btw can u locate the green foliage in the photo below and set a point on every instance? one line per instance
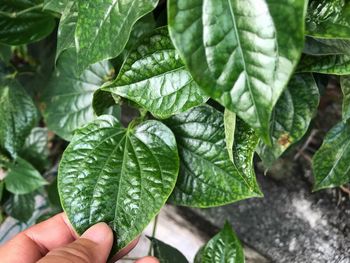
(117, 175)
(166, 253)
(182, 108)
(224, 247)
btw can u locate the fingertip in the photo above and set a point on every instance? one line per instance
(99, 233)
(147, 260)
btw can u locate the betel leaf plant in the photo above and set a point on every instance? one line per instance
(164, 101)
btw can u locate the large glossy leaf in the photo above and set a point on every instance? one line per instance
(68, 97)
(328, 19)
(117, 175)
(291, 117)
(331, 162)
(23, 22)
(23, 178)
(319, 46)
(57, 6)
(207, 175)
(345, 87)
(66, 28)
(224, 247)
(18, 116)
(240, 52)
(21, 207)
(154, 77)
(104, 27)
(35, 149)
(166, 253)
(332, 64)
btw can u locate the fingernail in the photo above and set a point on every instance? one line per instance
(98, 233)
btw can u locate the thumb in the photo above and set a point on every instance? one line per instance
(92, 247)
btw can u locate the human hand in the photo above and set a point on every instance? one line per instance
(55, 241)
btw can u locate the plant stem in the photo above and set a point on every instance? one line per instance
(22, 12)
(153, 234)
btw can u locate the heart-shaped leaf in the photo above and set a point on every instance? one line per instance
(116, 175)
(292, 116)
(104, 27)
(23, 178)
(18, 28)
(331, 162)
(240, 52)
(207, 175)
(154, 77)
(67, 101)
(224, 247)
(18, 116)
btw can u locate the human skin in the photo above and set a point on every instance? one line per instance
(55, 241)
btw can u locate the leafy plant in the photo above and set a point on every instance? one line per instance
(164, 110)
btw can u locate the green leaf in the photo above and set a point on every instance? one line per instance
(291, 117)
(224, 247)
(214, 39)
(331, 162)
(1, 189)
(119, 176)
(57, 6)
(207, 175)
(230, 126)
(68, 97)
(23, 178)
(345, 87)
(166, 253)
(66, 28)
(332, 64)
(328, 19)
(53, 195)
(104, 27)
(24, 22)
(18, 116)
(35, 149)
(154, 77)
(5, 53)
(21, 207)
(319, 46)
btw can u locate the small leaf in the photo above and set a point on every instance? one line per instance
(321, 47)
(119, 176)
(24, 28)
(18, 116)
(331, 162)
(207, 175)
(57, 6)
(154, 77)
(35, 149)
(66, 28)
(68, 97)
(23, 178)
(21, 207)
(345, 87)
(224, 247)
(292, 116)
(230, 126)
(104, 27)
(166, 253)
(214, 39)
(328, 19)
(332, 64)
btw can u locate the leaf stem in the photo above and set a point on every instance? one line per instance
(22, 12)
(153, 234)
